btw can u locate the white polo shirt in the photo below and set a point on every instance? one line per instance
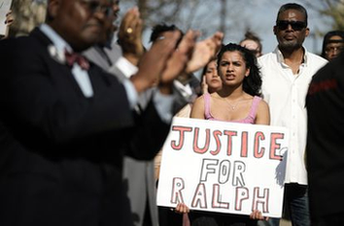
(285, 93)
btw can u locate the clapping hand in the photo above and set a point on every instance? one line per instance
(204, 51)
(130, 36)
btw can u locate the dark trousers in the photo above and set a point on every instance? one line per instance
(334, 219)
(296, 202)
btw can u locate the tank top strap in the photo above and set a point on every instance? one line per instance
(207, 98)
(254, 106)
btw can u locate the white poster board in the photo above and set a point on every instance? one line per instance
(223, 167)
(5, 6)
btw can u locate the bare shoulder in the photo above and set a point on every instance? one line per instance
(197, 110)
(263, 105)
(263, 113)
(199, 100)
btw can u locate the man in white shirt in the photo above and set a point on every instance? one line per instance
(286, 74)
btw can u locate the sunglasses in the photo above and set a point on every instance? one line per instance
(295, 25)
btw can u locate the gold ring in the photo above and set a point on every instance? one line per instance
(129, 30)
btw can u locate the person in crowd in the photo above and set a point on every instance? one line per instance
(253, 43)
(138, 175)
(333, 44)
(210, 79)
(141, 172)
(210, 82)
(237, 101)
(110, 56)
(65, 122)
(325, 155)
(286, 74)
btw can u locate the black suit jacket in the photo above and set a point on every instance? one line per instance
(61, 153)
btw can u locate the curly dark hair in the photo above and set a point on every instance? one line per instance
(252, 84)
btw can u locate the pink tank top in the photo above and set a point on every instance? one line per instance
(250, 119)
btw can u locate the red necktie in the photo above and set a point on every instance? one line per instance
(72, 58)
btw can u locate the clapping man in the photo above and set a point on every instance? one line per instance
(122, 61)
(66, 123)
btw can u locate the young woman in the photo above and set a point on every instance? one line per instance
(237, 101)
(210, 82)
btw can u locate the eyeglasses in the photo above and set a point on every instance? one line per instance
(333, 49)
(95, 6)
(295, 25)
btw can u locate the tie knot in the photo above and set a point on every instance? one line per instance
(72, 58)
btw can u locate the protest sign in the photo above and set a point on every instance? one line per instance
(223, 167)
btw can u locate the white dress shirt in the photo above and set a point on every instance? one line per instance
(285, 93)
(163, 103)
(58, 50)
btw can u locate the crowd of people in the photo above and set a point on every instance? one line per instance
(87, 108)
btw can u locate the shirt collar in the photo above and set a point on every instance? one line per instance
(280, 57)
(55, 38)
